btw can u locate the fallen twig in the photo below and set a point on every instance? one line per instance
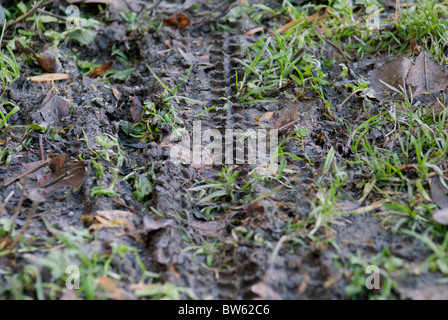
(121, 204)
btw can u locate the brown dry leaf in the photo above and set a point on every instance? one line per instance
(110, 286)
(439, 193)
(209, 228)
(113, 219)
(153, 223)
(426, 75)
(101, 69)
(264, 292)
(49, 77)
(136, 109)
(4, 243)
(304, 284)
(173, 270)
(117, 94)
(393, 73)
(106, 283)
(48, 61)
(62, 174)
(26, 50)
(178, 20)
(252, 207)
(441, 216)
(58, 164)
(267, 116)
(285, 119)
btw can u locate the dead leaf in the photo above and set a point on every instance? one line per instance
(4, 243)
(439, 193)
(153, 223)
(209, 228)
(26, 50)
(113, 219)
(106, 283)
(267, 116)
(62, 174)
(252, 207)
(304, 284)
(117, 94)
(58, 164)
(49, 77)
(136, 109)
(441, 216)
(101, 69)
(178, 20)
(48, 61)
(173, 270)
(393, 73)
(426, 75)
(286, 118)
(264, 292)
(110, 286)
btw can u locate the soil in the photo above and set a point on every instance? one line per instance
(282, 265)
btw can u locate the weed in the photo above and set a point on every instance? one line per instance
(9, 70)
(79, 251)
(226, 188)
(143, 183)
(385, 263)
(438, 261)
(111, 152)
(158, 114)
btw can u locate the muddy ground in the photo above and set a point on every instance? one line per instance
(242, 249)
